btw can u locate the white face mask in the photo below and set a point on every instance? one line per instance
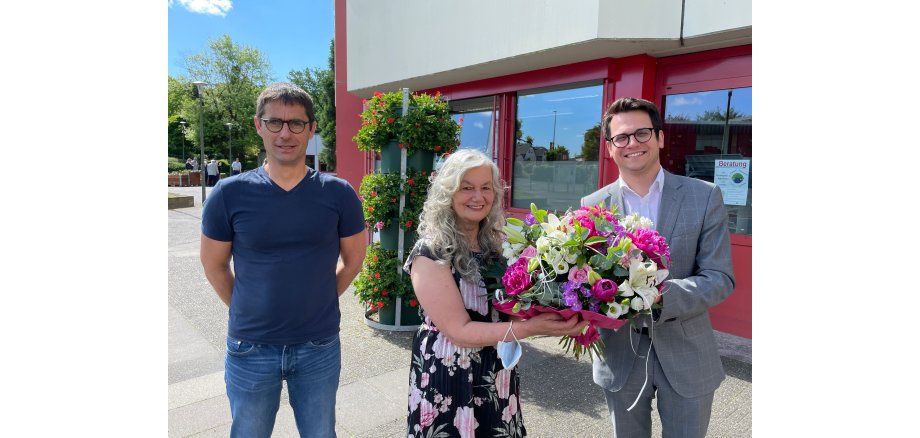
(509, 352)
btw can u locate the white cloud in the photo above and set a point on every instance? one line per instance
(681, 101)
(572, 98)
(212, 7)
(479, 125)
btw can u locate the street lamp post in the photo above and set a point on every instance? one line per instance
(201, 85)
(230, 140)
(183, 139)
(553, 144)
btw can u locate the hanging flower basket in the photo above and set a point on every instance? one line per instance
(426, 127)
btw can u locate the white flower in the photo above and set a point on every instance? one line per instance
(615, 310)
(633, 221)
(637, 304)
(553, 256)
(552, 224)
(543, 244)
(571, 256)
(644, 277)
(561, 267)
(511, 251)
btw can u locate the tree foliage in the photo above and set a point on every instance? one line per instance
(320, 83)
(718, 116)
(236, 74)
(591, 147)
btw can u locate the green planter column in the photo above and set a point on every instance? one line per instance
(389, 157)
(421, 160)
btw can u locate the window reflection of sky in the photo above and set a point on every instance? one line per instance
(475, 131)
(693, 105)
(577, 110)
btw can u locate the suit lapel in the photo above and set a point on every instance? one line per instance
(615, 197)
(671, 197)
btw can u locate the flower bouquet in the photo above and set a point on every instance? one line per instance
(607, 268)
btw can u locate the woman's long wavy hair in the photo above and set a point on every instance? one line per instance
(438, 222)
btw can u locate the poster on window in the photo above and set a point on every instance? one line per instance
(732, 176)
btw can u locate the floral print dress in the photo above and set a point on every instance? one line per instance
(457, 391)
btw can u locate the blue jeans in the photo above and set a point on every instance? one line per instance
(253, 374)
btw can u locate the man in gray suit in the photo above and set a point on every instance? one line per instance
(672, 355)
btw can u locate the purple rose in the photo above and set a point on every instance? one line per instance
(604, 290)
(516, 278)
(529, 219)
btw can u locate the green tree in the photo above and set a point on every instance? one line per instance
(320, 83)
(557, 153)
(678, 118)
(718, 116)
(177, 99)
(591, 146)
(236, 74)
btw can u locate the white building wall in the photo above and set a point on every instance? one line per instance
(425, 43)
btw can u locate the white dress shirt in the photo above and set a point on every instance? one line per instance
(647, 205)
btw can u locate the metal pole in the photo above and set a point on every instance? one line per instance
(553, 145)
(200, 85)
(183, 139)
(230, 125)
(726, 133)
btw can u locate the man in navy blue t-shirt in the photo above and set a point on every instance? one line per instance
(284, 225)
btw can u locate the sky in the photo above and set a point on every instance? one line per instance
(292, 34)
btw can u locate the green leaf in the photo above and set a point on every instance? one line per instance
(595, 239)
(601, 263)
(517, 307)
(570, 244)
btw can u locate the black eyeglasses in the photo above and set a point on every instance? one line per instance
(296, 126)
(622, 140)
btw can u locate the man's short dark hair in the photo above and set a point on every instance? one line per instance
(288, 94)
(627, 104)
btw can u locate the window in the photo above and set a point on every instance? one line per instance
(477, 131)
(708, 136)
(557, 141)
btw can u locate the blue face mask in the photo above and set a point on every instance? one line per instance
(509, 352)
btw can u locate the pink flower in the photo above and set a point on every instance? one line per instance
(503, 383)
(424, 380)
(589, 337)
(529, 252)
(653, 245)
(516, 278)
(579, 275)
(604, 290)
(428, 414)
(465, 422)
(379, 225)
(510, 410)
(415, 397)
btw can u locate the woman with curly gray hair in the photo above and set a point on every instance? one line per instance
(457, 384)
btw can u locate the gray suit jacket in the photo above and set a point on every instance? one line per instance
(693, 219)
